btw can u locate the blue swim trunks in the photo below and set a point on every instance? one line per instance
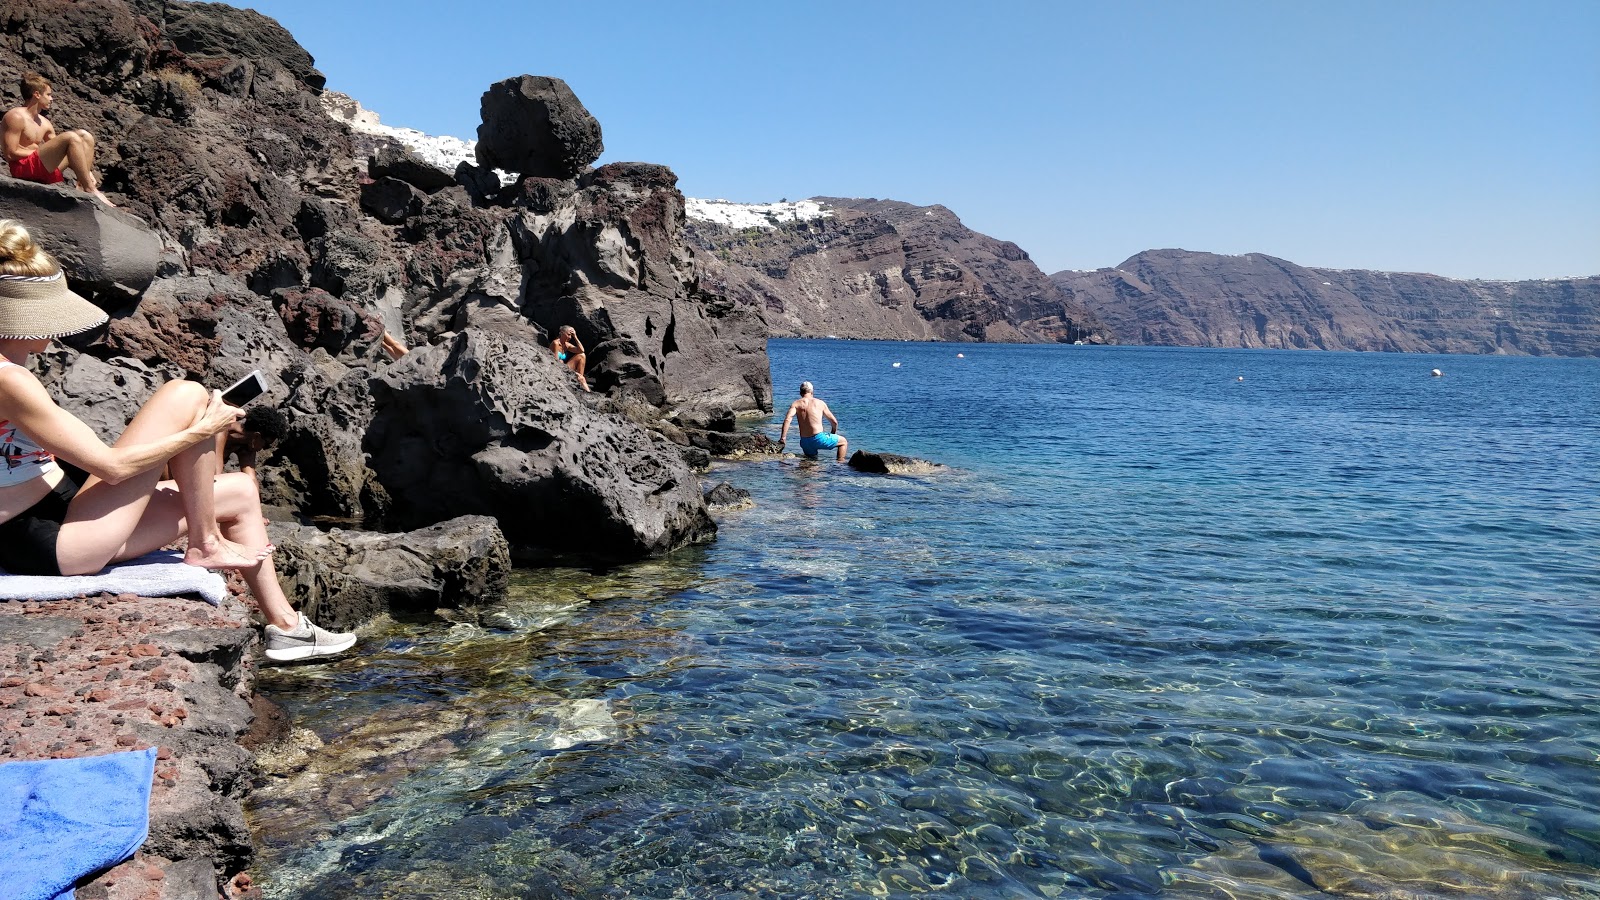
(811, 445)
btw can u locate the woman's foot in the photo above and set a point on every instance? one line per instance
(221, 553)
(305, 641)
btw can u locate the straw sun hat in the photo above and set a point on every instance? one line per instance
(34, 307)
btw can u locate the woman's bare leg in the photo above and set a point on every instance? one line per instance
(577, 362)
(238, 501)
(239, 513)
(111, 522)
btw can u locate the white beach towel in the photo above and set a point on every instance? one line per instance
(159, 574)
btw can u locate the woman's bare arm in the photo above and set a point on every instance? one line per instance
(25, 402)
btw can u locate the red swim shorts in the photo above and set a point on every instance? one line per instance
(29, 168)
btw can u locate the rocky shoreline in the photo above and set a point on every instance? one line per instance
(110, 673)
(114, 672)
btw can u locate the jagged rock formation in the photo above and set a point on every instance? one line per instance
(886, 270)
(274, 242)
(483, 425)
(344, 578)
(283, 247)
(1188, 299)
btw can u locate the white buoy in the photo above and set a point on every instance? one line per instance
(897, 365)
(961, 356)
(1241, 377)
(1436, 373)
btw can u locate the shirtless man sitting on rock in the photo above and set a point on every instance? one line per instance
(33, 149)
(811, 411)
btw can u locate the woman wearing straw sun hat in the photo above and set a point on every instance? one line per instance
(50, 525)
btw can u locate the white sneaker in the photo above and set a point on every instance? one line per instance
(305, 641)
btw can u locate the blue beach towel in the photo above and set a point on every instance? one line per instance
(62, 819)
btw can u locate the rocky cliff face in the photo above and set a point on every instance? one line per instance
(886, 270)
(1182, 298)
(281, 240)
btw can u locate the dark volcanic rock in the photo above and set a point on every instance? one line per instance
(607, 255)
(344, 578)
(391, 200)
(489, 425)
(725, 498)
(1188, 299)
(227, 37)
(885, 270)
(535, 126)
(891, 464)
(99, 248)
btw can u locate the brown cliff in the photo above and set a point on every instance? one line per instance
(885, 270)
(1188, 299)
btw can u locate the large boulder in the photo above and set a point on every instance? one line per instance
(344, 578)
(534, 125)
(492, 425)
(99, 247)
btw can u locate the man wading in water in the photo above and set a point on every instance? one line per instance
(812, 411)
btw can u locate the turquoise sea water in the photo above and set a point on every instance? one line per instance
(1329, 630)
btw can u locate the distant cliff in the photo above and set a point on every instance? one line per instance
(1188, 299)
(879, 269)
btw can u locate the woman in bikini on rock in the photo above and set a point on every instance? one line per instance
(50, 525)
(569, 352)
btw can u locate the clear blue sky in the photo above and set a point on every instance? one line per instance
(1460, 138)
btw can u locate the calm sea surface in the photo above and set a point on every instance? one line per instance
(1329, 630)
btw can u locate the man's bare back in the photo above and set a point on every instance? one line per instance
(810, 411)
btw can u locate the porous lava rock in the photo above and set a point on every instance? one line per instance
(492, 425)
(607, 254)
(343, 578)
(535, 125)
(108, 673)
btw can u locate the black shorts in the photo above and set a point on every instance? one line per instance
(28, 539)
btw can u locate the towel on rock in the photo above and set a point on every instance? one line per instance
(62, 819)
(159, 574)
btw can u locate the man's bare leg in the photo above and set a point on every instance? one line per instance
(843, 445)
(76, 149)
